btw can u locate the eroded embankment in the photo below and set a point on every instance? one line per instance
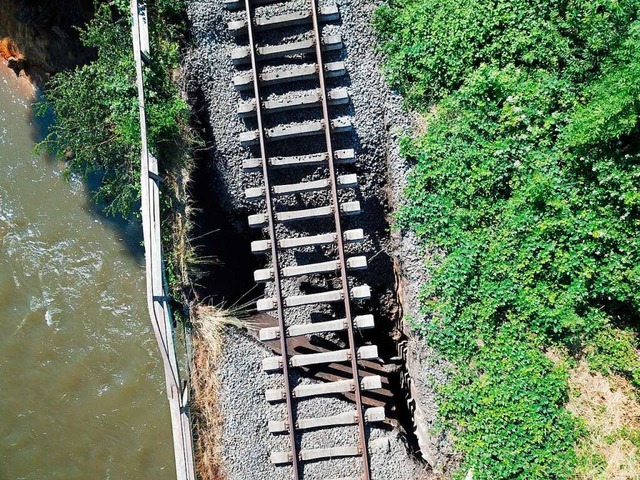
(395, 269)
(38, 37)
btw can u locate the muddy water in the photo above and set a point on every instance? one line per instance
(81, 385)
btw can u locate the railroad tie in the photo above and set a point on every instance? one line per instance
(242, 55)
(353, 263)
(344, 181)
(362, 322)
(350, 236)
(374, 414)
(336, 96)
(275, 395)
(327, 14)
(362, 292)
(292, 73)
(260, 220)
(296, 130)
(285, 65)
(340, 157)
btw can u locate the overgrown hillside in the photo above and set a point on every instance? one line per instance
(96, 104)
(527, 181)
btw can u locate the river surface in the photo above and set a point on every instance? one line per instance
(81, 384)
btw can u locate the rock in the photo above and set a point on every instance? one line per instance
(380, 445)
(16, 64)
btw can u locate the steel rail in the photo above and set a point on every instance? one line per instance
(274, 243)
(340, 240)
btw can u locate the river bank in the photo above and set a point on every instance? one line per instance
(40, 37)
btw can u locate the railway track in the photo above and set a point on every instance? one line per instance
(305, 191)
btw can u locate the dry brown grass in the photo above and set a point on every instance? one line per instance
(208, 325)
(182, 256)
(420, 124)
(610, 409)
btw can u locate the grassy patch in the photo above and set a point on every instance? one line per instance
(208, 324)
(432, 46)
(615, 351)
(506, 408)
(609, 408)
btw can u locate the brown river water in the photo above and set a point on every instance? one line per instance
(81, 384)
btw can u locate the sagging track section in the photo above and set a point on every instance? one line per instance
(267, 141)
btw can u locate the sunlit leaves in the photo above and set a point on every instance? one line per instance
(96, 106)
(527, 180)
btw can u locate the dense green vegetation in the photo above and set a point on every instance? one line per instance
(527, 178)
(96, 106)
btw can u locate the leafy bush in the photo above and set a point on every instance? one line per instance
(432, 45)
(613, 99)
(96, 106)
(615, 351)
(527, 180)
(527, 232)
(508, 408)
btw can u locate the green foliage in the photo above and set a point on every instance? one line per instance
(528, 233)
(432, 45)
(631, 434)
(527, 180)
(96, 106)
(615, 351)
(592, 463)
(613, 99)
(508, 408)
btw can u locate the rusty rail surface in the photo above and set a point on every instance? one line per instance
(272, 235)
(339, 236)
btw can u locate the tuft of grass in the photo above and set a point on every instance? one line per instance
(609, 409)
(184, 265)
(209, 323)
(615, 350)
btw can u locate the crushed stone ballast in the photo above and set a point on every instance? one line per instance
(277, 57)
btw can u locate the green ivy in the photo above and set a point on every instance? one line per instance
(615, 351)
(507, 409)
(612, 100)
(527, 181)
(432, 45)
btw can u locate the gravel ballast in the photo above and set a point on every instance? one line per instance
(247, 442)
(395, 267)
